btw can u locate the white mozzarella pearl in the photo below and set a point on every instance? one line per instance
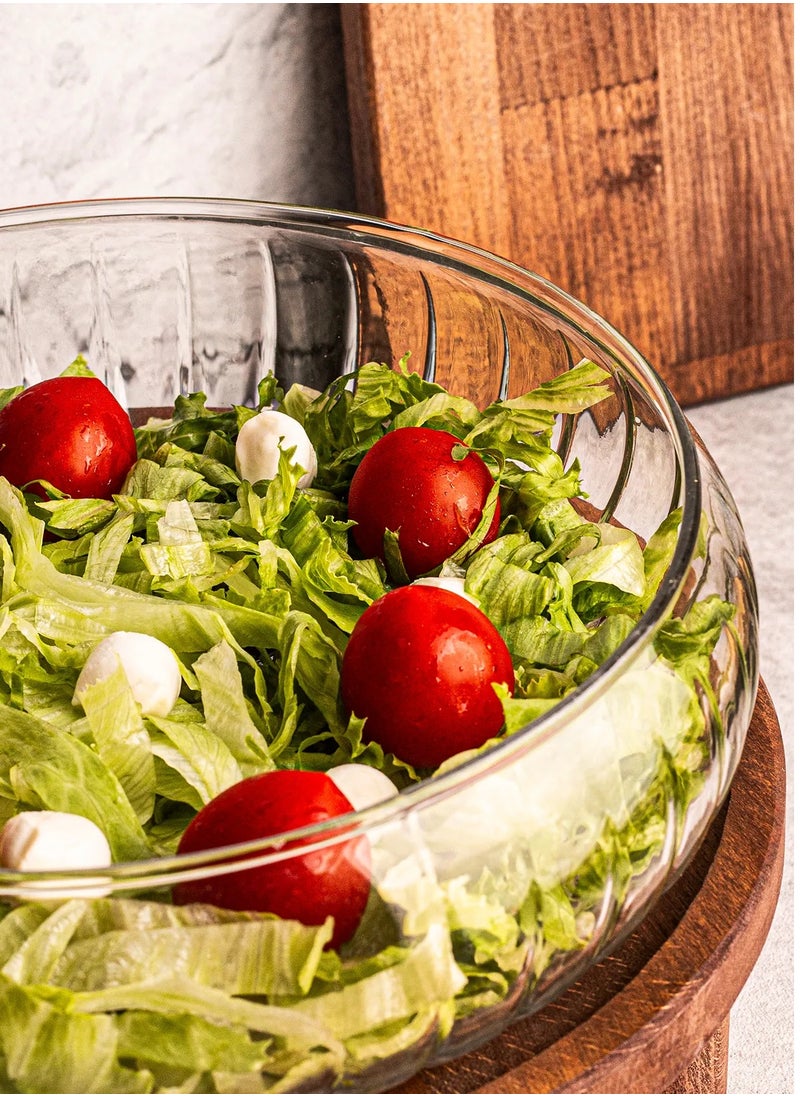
(448, 582)
(150, 666)
(260, 440)
(362, 784)
(40, 841)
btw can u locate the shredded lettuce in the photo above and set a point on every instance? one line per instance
(255, 589)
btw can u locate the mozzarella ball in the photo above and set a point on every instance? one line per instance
(150, 666)
(448, 582)
(362, 784)
(54, 841)
(260, 441)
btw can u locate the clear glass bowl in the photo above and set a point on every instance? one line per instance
(503, 879)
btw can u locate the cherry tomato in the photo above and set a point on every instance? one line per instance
(70, 431)
(419, 668)
(333, 881)
(410, 483)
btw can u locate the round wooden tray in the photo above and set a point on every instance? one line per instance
(653, 1016)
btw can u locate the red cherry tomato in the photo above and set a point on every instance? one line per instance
(70, 431)
(410, 483)
(307, 887)
(419, 667)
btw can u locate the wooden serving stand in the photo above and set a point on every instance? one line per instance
(653, 1015)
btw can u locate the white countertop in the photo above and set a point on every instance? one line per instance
(751, 439)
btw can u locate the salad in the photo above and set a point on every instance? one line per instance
(284, 614)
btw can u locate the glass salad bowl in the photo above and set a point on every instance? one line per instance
(494, 880)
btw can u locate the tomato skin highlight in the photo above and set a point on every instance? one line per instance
(410, 483)
(70, 431)
(419, 667)
(334, 881)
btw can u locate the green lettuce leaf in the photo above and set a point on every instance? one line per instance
(45, 768)
(34, 1035)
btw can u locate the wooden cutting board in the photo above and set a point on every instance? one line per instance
(640, 156)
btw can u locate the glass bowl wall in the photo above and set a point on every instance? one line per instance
(551, 845)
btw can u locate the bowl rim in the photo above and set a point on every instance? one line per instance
(521, 282)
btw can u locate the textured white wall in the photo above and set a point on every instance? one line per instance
(224, 100)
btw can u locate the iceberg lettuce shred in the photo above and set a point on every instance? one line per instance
(255, 589)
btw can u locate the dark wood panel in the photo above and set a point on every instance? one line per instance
(639, 155)
(726, 121)
(417, 97)
(551, 51)
(588, 212)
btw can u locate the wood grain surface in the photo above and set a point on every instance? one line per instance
(640, 156)
(653, 1015)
